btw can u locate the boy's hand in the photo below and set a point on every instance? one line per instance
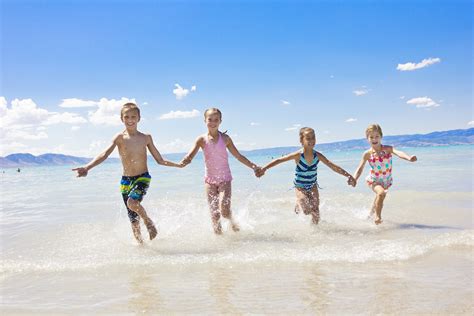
(351, 181)
(413, 158)
(81, 171)
(185, 161)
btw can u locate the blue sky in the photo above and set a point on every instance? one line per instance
(270, 66)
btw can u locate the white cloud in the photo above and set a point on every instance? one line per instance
(108, 112)
(68, 118)
(254, 124)
(12, 147)
(471, 123)
(181, 92)
(423, 102)
(145, 103)
(179, 115)
(326, 132)
(75, 128)
(77, 103)
(402, 97)
(284, 102)
(412, 66)
(293, 128)
(350, 120)
(331, 76)
(360, 92)
(175, 146)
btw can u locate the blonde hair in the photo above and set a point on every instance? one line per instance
(211, 111)
(305, 130)
(373, 128)
(129, 107)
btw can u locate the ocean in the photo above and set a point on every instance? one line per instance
(67, 246)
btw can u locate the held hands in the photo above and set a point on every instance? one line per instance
(259, 171)
(80, 172)
(351, 181)
(185, 161)
(413, 159)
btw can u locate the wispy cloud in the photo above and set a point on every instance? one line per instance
(360, 92)
(351, 120)
(402, 97)
(284, 102)
(414, 66)
(422, 102)
(175, 146)
(179, 115)
(254, 124)
(293, 128)
(181, 92)
(471, 123)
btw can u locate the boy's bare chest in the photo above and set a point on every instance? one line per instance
(133, 144)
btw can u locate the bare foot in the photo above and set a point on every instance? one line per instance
(151, 229)
(235, 227)
(315, 218)
(217, 228)
(378, 221)
(297, 209)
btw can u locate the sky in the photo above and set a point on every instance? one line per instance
(272, 67)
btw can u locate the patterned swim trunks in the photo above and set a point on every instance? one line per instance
(135, 188)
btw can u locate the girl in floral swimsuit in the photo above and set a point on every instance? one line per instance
(380, 160)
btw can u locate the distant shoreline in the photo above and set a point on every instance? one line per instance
(460, 137)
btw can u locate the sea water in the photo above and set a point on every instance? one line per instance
(67, 246)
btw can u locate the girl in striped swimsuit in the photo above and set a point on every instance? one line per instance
(218, 177)
(306, 173)
(380, 161)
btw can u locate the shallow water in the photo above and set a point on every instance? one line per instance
(67, 245)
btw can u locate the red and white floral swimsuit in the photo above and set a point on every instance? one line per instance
(381, 169)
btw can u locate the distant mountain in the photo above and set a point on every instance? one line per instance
(446, 138)
(453, 137)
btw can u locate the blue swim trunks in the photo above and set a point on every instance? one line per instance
(135, 188)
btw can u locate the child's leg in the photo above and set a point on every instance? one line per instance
(136, 231)
(213, 201)
(314, 203)
(225, 189)
(302, 201)
(380, 194)
(136, 206)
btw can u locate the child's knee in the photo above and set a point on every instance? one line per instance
(381, 194)
(225, 212)
(133, 204)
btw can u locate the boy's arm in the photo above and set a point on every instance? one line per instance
(192, 153)
(156, 154)
(82, 171)
(360, 168)
(402, 155)
(336, 168)
(233, 150)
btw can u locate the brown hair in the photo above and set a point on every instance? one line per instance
(304, 130)
(128, 107)
(373, 128)
(212, 111)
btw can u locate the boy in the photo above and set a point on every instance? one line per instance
(132, 146)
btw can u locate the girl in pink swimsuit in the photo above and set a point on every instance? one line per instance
(380, 160)
(218, 177)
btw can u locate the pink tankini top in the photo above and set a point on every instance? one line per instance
(216, 161)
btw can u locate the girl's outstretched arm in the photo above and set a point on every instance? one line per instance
(82, 171)
(156, 154)
(293, 156)
(233, 150)
(336, 168)
(189, 157)
(403, 155)
(362, 162)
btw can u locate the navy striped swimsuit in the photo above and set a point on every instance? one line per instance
(306, 175)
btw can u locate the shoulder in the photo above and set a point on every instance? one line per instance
(201, 140)
(367, 154)
(226, 138)
(118, 137)
(387, 149)
(318, 154)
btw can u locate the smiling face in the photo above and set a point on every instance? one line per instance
(308, 139)
(375, 139)
(212, 120)
(130, 118)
